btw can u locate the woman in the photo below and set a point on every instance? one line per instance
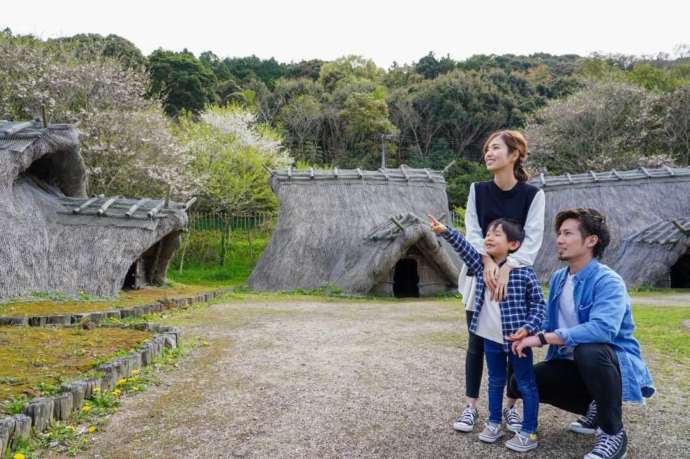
(507, 195)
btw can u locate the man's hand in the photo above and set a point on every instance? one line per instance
(436, 226)
(519, 334)
(519, 346)
(499, 293)
(490, 273)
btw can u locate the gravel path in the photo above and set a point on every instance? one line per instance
(341, 379)
(678, 299)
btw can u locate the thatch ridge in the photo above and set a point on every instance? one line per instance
(613, 176)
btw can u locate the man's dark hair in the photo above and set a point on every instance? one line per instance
(512, 228)
(591, 222)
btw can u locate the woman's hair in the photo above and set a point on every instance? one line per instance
(515, 141)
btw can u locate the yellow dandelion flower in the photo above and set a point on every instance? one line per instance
(121, 382)
(18, 456)
(135, 372)
(86, 408)
(96, 390)
(91, 429)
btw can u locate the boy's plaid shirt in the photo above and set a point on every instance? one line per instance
(524, 305)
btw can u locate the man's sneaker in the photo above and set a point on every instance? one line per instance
(523, 442)
(466, 421)
(512, 419)
(491, 433)
(609, 446)
(586, 424)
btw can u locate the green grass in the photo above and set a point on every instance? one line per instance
(661, 328)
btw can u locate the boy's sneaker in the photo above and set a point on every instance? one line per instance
(512, 419)
(523, 442)
(609, 446)
(466, 421)
(491, 433)
(586, 424)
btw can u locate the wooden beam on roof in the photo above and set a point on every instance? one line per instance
(107, 204)
(152, 213)
(85, 205)
(681, 228)
(134, 207)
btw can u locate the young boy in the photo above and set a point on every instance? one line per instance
(519, 315)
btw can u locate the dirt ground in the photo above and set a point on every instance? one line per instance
(345, 379)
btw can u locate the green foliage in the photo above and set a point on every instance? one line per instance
(458, 179)
(182, 81)
(93, 46)
(230, 154)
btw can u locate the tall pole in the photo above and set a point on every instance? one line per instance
(383, 151)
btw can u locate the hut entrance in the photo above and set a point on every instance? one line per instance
(680, 272)
(406, 279)
(133, 277)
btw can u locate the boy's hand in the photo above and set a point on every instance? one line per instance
(436, 226)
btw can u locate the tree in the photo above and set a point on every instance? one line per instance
(230, 153)
(92, 46)
(429, 67)
(302, 120)
(125, 138)
(181, 81)
(598, 128)
(676, 123)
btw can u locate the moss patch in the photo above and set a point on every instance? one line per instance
(38, 359)
(44, 307)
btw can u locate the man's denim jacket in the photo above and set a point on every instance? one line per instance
(605, 316)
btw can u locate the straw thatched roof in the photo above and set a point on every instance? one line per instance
(349, 228)
(54, 238)
(641, 206)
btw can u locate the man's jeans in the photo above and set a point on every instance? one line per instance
(523, 374)
(571, 385)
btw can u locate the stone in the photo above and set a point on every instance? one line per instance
(59, 320)
(22, 426)
(147, 354)
(115, 314)
(124, 313)
(90, 385)
(170, 340)
(37, 321)
(78, 391)
(16, 321)
(6, 432)
(62, 406)
(109, 377)
(40, 410)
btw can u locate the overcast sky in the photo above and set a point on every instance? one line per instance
(385, 31)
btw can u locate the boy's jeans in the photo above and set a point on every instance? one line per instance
(496, 361)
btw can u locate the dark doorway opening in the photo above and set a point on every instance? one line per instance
(130, 282)
(406, 279)
(680, 272)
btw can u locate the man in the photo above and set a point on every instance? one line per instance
(593, 362)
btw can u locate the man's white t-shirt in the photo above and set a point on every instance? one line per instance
(567, 312)
(489, 320)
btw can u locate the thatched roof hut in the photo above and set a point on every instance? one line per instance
(360, 231)
(54, 238)
(647, 211)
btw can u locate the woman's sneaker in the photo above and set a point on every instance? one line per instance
(609, 446)
(491, 433)
(512, 419)
(466, 421)
(586, 424)
(523, 442)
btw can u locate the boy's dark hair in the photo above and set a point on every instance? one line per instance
(592, 223)
(512, 228)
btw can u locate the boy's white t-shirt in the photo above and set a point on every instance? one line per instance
(489, 321)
